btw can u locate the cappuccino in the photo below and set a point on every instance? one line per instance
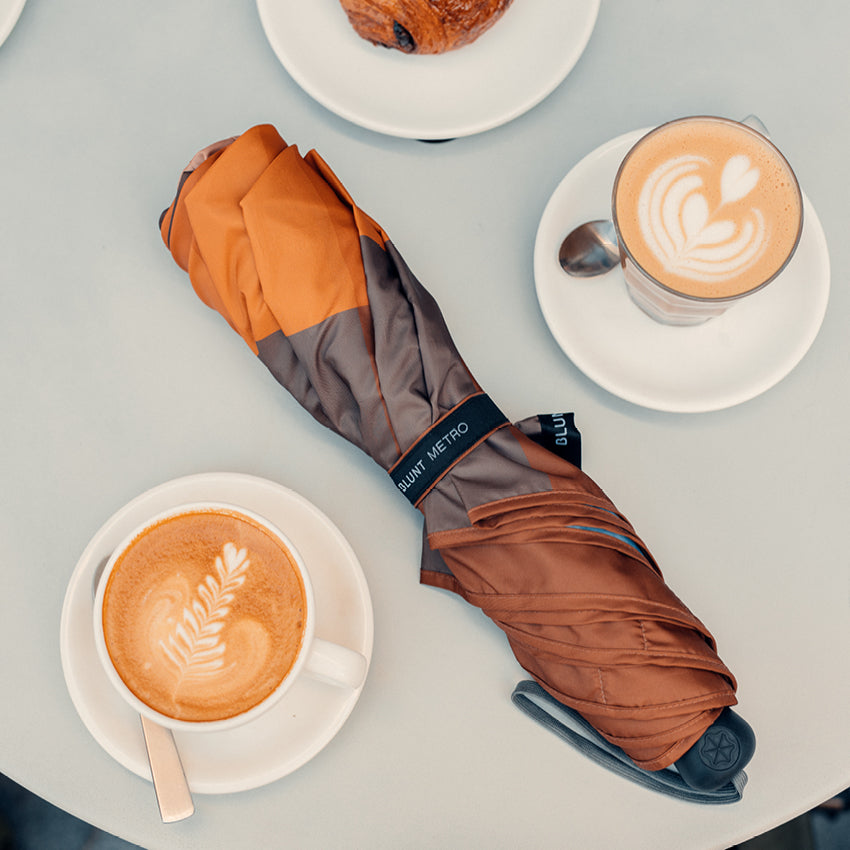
(204, 614)
(707, 207)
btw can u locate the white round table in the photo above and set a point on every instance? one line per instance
(115, 378)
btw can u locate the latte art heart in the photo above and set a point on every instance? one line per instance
(690, 238)
(738, 179)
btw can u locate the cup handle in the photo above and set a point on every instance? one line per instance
(757, 124)
(335, 664)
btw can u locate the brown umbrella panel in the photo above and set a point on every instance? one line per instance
(273, 241)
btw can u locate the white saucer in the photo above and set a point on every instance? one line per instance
(723, 362)
(307, 718)
(509, 69)
(10, 11)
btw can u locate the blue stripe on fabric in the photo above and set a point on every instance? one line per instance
(613, 534)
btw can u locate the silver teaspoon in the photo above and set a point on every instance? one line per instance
(590, 250)
(169, 781)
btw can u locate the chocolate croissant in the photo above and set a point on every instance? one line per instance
(423, 26)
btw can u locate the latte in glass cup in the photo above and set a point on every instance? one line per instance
(707, 211)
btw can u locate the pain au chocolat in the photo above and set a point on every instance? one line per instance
(423, 26)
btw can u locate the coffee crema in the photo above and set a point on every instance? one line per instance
(204, 614)
(707, 207)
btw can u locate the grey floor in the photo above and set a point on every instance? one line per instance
(29, 823)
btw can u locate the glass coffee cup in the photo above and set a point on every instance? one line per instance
(204, 617)
(707, 211)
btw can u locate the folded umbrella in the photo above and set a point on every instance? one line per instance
(273, 241)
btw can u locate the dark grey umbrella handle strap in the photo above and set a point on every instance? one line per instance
(529, 697)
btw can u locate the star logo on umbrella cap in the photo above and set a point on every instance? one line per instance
(719, 749)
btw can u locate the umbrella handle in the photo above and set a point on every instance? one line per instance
(719, 753)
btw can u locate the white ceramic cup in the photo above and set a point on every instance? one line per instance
(318, 659)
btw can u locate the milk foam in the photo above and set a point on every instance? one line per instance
(685, 234)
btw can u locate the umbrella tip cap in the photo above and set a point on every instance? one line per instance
(721, 752)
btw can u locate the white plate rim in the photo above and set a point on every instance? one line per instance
(432, 85)
(549, 278)
(254, 493)
(9, 17)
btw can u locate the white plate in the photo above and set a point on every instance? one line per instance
(305, 720)
(10, 11)
(723, 362)
(521, 59)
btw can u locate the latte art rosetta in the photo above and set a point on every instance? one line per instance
(685, 234)
(194, 643)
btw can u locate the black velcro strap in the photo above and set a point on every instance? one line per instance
(444, 444)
